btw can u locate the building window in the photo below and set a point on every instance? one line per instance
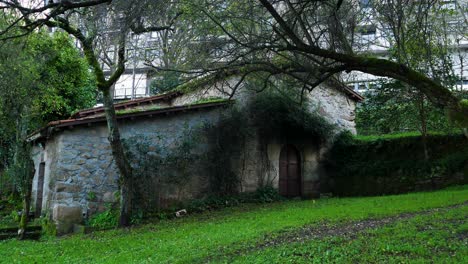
(365, 3)
(449, 5)
(151, 53)
(367, 34)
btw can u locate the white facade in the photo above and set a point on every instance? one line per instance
(373, 38)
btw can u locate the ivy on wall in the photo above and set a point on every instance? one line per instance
(216, 150)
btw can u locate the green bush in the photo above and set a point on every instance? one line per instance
(48, 227)
(262, 195)
(267, 194)
(390, 165)
(105, 220)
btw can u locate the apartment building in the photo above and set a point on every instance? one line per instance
(373, 37)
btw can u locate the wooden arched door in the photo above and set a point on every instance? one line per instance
(290, 172)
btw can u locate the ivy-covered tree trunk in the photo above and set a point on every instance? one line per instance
(121, 160)
(26, 199)
(22, 172)
(105, 87)
(423, 123)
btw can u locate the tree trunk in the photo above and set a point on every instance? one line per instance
(423, 119)
(26, 192)
(121, 160)
(25, 214)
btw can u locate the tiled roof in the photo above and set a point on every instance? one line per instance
(127, 104)
(53, 126)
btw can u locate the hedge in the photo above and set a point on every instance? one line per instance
(396, 165)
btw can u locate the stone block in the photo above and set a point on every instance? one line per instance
(104, 166)
(79, 229)
(65, 217)
(69, 188)
(109, 197)
(84, 174)
(72, 167)
(80, 161)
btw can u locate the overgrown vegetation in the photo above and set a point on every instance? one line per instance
(270, 115)
(105, 220)
(375, 166)
(42, 78)
(388, 110)
(214, 154)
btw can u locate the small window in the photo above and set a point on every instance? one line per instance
(365, 3)
(367, 30)
(151, 53)
(449, 5)
(154, 35)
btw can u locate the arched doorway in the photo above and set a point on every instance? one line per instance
(290, 172)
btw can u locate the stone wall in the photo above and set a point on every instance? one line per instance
(335, 106)
(81, 177)
(332, 104)
(81, 174)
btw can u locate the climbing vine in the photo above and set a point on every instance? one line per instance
(217, 151)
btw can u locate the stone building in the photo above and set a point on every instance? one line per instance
(76, 176)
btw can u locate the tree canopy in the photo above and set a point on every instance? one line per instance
(41, 79)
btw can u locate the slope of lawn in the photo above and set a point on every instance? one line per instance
(210, 235)
(435, 238)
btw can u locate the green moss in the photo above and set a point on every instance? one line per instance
(128, 111)
(209, 100)
(137, 110)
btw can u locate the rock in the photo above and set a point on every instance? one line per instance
(67, 167)
(181, 213)
(109, 197)
(66, 217)
(79, 229)
(86, 155)
(69, 188)
(85, 173)
(80, 161)
(104, 166)
(91, 167)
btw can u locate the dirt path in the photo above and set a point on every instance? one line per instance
(347, 230)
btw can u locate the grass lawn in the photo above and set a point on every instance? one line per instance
(232, 235)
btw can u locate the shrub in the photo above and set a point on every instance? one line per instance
(267, 194)
(105, 220)
(392, 165)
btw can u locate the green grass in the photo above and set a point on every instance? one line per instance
(435, 238)
(195, 238)
(397, 135)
